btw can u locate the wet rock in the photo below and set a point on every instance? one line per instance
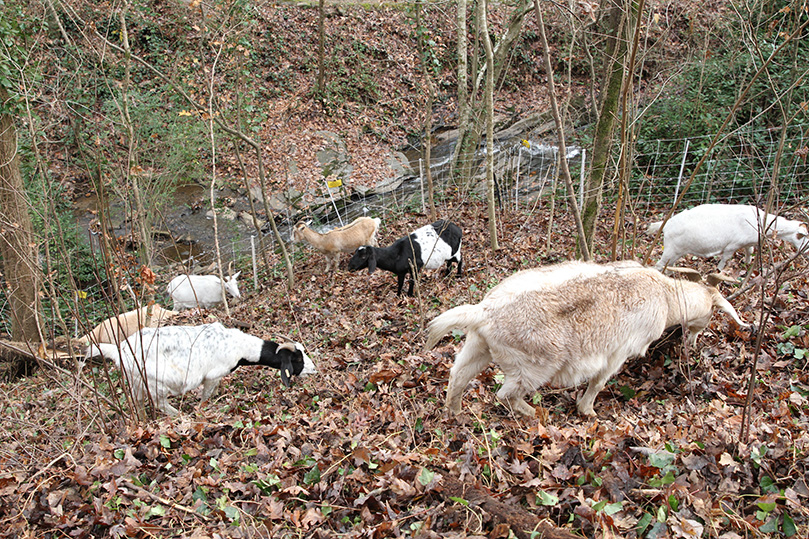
(225, 213)
(399, 164)
(256, 194)
(334, 157)
(247, 218)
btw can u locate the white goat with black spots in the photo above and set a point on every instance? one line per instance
(427, 248)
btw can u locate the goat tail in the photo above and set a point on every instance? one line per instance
(464, 318)
(720, 302)
(653, 227)
(105, 350)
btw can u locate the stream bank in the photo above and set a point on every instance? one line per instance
(525, 166)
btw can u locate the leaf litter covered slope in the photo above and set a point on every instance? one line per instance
(364, 448)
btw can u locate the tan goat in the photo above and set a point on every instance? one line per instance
(567, 324)
(116, 329)
(360, 231)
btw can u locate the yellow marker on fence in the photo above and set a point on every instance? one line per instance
(334, 183)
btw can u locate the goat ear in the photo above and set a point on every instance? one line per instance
(371, 263)
(286, 371)
(235, 275)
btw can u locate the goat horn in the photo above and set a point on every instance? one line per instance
(286, 346)
(714, 279)
(688, 273)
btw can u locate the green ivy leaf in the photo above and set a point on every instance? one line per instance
(155, 511)
(426, 476)
(674, 503)
(613, 508)
(232, 513)
(643, 523)
(771, 526)
(793, 331)
(312, 476)
(547, 499)
(661, 459)
(627, 392)
(789, 527)
(199, 494)
(768, 485)
(767, 507)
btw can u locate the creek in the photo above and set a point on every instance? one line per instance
(525, 167)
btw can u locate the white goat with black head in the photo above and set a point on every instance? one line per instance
(567, 324)
(427, 248)
(360, 231)
(173, 360)
(190, 291)
(720, 230)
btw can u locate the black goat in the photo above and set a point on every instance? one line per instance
(428, 247)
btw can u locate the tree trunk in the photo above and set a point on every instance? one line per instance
(470, 123)
(560, 134)
(321, 47)
(17, 242)
(428, 112)
(489, 104)
(463, 91)
(620, 17)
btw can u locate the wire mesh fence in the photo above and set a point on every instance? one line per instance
(741, 168)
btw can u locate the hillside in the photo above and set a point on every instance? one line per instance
(365, 448)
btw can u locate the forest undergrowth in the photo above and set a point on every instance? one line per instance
(364, 448)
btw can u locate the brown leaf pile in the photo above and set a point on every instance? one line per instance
(364, 448)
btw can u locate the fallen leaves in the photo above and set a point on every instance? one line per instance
(364, 448)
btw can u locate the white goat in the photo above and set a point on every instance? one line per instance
(360, 231)
(189, 291)
(173, 360)
(116, 329)
(721, 230)
(569, 323)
